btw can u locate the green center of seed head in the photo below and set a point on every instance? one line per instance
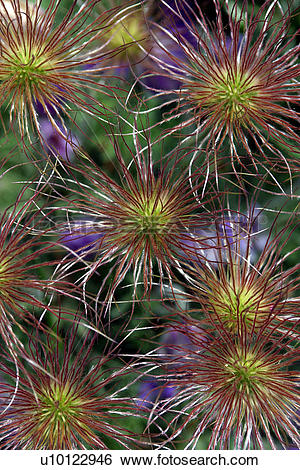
(28, 66)
(150, 217)
(240, 305)
(234, 93)
(59, 404)
(246, 372)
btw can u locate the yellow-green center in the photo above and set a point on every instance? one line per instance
(246, 372)
(230, 94)
(234, 94)
(58, 405)
(150, 217)
(25, 67)
(238, 306)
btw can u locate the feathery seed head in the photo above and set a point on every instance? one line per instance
(62, 402)
(23, 246)
(236, 305)
(141, 215)
(242, 293)
(45, 62)
(238, 83)
(249, 377)
(230, 94)
(242, 387)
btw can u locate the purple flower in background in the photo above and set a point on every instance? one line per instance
(233, 232)
(46, 109)
(82, 240)
(243, 233)
(140, 44)
(155, 80)
(164, 45)
(55, 142)
(180, 343)
(54, 137)
(154, 392)
(200, 246)
(169, 9)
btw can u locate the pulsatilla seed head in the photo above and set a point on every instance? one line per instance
(238, 81)
(231, 96)
(243, 388)
(141, 212)
(61, 401)
(24, 247)
(248, 304)
(45, 62)
(241, 293)
(252, 376)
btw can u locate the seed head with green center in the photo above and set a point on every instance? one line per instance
(238, 77)
(51, 59)
(242, 389)
(242, 293)
(66, 398)
(142, 213)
